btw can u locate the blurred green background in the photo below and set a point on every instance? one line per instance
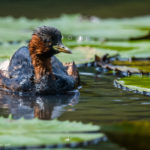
(54, 8)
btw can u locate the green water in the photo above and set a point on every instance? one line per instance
(99, 102)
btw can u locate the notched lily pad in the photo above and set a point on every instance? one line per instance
(123, 67)
(125, 49)
(132, 135)
(105, 64)
(139, 84)
(38, 133)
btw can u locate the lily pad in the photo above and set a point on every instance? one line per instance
(122, 70)
(84, 48)
(135, 83)
(7, 50)
(132, 135)
(79, 54)
(10, 35)
(126, 49)
(107, 64)
(21, 28)
(37, 132)
(84, 51)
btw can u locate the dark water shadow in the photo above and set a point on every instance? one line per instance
(42, 107)
(50, 8)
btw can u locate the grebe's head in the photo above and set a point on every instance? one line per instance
(47, 41)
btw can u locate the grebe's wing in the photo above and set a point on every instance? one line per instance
(20, 72)
(20, 63)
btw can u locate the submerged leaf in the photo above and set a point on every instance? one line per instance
(132, 135)
(141, 65)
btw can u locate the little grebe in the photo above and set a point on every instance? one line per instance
(35, 68)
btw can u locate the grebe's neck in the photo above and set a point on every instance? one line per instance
(42, 65)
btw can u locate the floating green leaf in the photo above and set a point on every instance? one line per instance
(37, 132)
(84, 48)
(80, 54)
(7, 34)
(125, 49)
(139, 83)
(21, 29)
(7, 50)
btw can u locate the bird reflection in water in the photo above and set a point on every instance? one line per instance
(43, 107)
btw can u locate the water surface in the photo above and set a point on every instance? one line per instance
(98, 102)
